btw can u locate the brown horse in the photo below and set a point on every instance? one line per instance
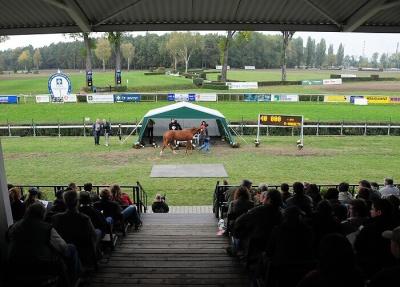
(179, 135)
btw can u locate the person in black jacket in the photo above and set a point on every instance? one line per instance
(106, 128)
(159, 205)
(111, 210)
(98, 220)
(17, 206)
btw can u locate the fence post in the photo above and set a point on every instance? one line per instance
(34, 129)
(292, 131)
(241, 127)
(267, 131)
(341, 129)
(317, 128)
(390, 123)
(59, 129)
(9, 128)
(84, 127)
(365, 129)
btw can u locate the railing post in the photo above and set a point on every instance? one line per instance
(33, 128)
(84, 127)
(317, 128)
(341, 129)
(390, 123)
(9, 128)
(365, 129)
(292, 131)
(59, 129)
(267, 131)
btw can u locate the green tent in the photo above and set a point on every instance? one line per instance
(188, 115)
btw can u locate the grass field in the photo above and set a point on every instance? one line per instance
(323, 160)
(233, 111)
(137, 81)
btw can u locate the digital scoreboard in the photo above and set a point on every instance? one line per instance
(281, 120)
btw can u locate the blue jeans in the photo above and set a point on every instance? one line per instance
(205, 145)
(130, 213)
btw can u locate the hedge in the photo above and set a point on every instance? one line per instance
(215, 86)
(278, 83)
(154, 73)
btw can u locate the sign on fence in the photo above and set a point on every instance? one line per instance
(257, 97)
(348, 75)
(100, 98)
(181, 97)
(206, 97)
(122, 98)
(311, 82)
(59, 86)
(242, 85)
(335, 99)
(378, 99)
(395, 100)
(8, 99)
(332, 82)
(219, 67)
(285, 98)
(360, 101)
(42, 99)
(71, 98)
(249, 67)
(353, 98)
(281, 120)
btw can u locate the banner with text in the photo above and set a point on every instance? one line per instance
(181, 97)
(332, 82)
(311, 82)
(285, 98)
(395, 100)
(206, 97)
(335, 99)
(257, 97)
(100, 98)
(71, 98)
(123, 98)
(8, 99)
(242, 85)
(378, 99)
(42, 99)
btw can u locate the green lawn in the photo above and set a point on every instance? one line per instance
(323, 160)
(233, 111)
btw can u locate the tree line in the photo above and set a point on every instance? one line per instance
(181, 51)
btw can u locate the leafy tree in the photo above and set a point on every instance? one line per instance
(310, 52)
(115, 39)
(37, 58)
(182, 46)
(24, 59)
(103, 51)
(340, 55)
(331, 56)
(320, 53)
(384, 61)
(128, 51)
(286, 37)
(374, 60)
(362, 61)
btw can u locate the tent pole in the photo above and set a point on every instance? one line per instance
(132, 131)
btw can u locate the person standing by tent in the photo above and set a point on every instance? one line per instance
(96, 132)
(106, 127)
(204, 133)
(150, 129)
(174, 125)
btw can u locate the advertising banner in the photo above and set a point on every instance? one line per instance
(206, 97)
(249, 67)
(289, 98)
(70, 98)
(59, 86)
(378, 99)
(171, 97)
(42, 99)
(242, 85)
(8, 99)
(360, 101)
(311, 82)
(332, 82)
(348, 75)
(257, 97)
(219, 67)
(335, 99)
(123, 98)
(182, 97)
(100, 98)
(395, 100)
(352, 98)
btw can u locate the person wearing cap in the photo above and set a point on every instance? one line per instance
(389, 189)
(389, 276)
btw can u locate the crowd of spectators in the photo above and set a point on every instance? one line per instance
(305, 237)
(62, 239)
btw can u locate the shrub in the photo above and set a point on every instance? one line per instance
(198, 82)
(203, 75)
(215, 86)
(278, 83)
(153, 73)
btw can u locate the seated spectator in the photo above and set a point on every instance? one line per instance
(313, 192)
(88, 187)
(365, 194)
(395, 201)
(230, 193)
(111, 210)
(389, 189)
(159, 205)
(241, 204)
(358, 215)
(129, 211)
(285, 192)
(373, 252)
(255, 195)
(58, 206)
(300, 199)
(373, 194)
(390, 275)
(17, 206)
(72, 186)
(336, 265)
(76, 228)
(339, 210)
(98, 220)
(36, 248)
(344, 194)
(32, 197)
(374, 186)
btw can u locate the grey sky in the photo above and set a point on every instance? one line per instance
(353, 42)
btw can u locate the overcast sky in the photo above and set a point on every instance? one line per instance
(353, 42)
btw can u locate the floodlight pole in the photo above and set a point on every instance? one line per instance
(5, 209)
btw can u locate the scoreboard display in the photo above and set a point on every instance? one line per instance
(281, 120)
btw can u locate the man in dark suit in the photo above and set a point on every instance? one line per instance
(76, 228)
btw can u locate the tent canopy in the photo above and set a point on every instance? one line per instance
(188, 115)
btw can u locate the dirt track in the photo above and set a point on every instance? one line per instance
(362, 86)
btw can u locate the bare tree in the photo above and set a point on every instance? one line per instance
(224, 47)
(286, 37)
(115, 40)
(128, 52)
(103, 51)
(182, 45)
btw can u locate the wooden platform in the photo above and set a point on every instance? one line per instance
(172, 250)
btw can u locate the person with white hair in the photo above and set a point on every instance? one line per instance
(389, 189)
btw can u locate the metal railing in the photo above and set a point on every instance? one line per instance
(139, 196)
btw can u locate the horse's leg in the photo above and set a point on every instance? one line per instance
(165, 144)
(173, 151)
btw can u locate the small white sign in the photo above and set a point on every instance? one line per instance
(348, 75)
(219, 67)
(289, 98)
(242, 85)
(249, 67)
(42, 99)
(360, 101)
(71, 98)
(332, 82)
(100, 98)
(206, 97)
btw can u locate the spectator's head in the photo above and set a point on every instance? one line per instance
(33, 192)
(335, 255)
(364, 193)
(115, 191)
(158, 198)
(88, 187)
(358, 208)
(364, 183)
(285, 187)
(298, 188)
(15, 194)
(225, 182)
(71, 199)
(388, 181)
(105, 194)
(343, 187)
(247, 184)
(263, 187)
(306, 185)
(104, 121)
(332, 194)
(84, 198)
(73, 186)
(394, 236)
(374, 186)
(313, 189)
(274, 197)
(242, 193)
(381, 207)
(324, 209)
(35, 211)
(9, 186)
(60, 194)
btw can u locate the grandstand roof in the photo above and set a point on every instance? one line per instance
(170, 111)
(69, 16)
